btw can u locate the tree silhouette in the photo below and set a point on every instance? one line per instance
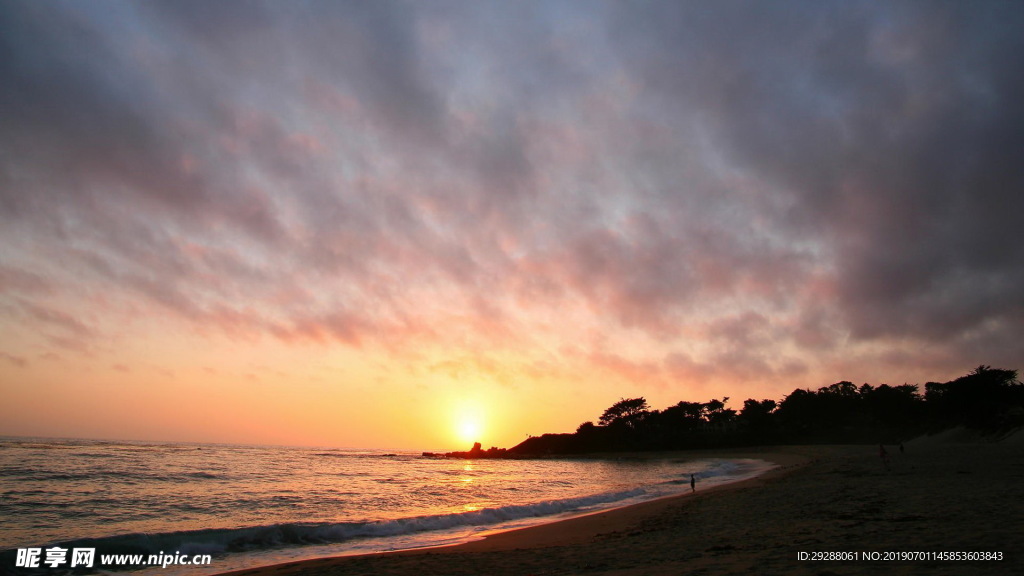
(989, 400)
(756, 418)
(985, 398)
(625, 413)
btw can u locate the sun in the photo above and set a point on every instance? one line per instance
(468, 424)
(469, 429)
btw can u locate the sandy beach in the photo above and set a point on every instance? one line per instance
(943, 495)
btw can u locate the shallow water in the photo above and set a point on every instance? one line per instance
(255, 505)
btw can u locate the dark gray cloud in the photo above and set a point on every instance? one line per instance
(752, 185)
(888, 130)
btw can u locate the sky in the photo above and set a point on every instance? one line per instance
(409, 224)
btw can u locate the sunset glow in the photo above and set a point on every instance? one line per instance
(469, 429)
(419, 226)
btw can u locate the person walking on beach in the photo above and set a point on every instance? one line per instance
(693, 484)
(884, 456)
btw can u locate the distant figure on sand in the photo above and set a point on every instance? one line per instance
(901, 447)
(693, 484)
(884, 456)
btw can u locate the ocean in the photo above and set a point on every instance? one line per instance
(248, 506)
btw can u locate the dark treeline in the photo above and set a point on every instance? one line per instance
(988, 400)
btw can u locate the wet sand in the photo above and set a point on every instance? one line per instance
(940, 496)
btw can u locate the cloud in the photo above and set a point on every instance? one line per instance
(750, 190)
(64, 322)
(883, 131)
(15, 280)
(18, 361)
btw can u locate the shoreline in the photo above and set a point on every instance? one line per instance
(575, 529)
(940, 496)
(578, 528)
